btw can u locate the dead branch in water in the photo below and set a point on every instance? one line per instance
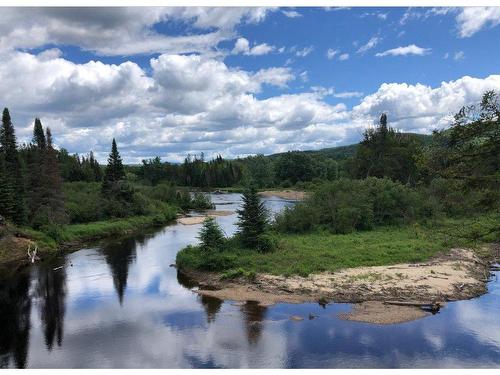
(32, 254)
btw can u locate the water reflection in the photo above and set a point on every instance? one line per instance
(211, 306)
(253, 317)
(119, 255)
(51, 291)
(15, 312)
(70, 317)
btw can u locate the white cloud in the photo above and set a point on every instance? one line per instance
(304, 51)
(369, 45)
(122, 31)
(348, 94)
(459, 55)
(330, 54)
(472, 19)
(291, 13)
(411, 49)
(191, 103)
(422, 108)
(243, 46)
(344, 56)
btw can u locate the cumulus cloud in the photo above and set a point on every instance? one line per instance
(422, 108)
(183, 104)
(369, 45)
(344, 56)
(411, 49)
(330, 53)
(470, 20)
(122, 31)
(242, 45)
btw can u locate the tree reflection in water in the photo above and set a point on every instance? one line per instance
(253, 315)
(119, 255)
(15, 312)
(51, 290)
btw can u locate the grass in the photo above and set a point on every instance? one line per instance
(48, 242)
(303, 254)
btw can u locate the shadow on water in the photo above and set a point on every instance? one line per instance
(15, 312)
(119, 256)
(51, 291)
(253, 316)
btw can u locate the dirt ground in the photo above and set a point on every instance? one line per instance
(191, 220)
(285, 194)
(458, 275)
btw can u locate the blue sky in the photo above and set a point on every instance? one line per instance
(240, 81)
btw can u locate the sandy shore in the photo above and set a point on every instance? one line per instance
(458, 275)
(285, 194)
(199, 219)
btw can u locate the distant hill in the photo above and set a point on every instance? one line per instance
(345, 152)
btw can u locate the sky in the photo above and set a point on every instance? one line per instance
(240, 81)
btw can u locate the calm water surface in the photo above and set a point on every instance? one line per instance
(119, 304)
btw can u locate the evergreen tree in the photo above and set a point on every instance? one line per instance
(252, 218)
(114, 170)
(211, 236)
(13, 192)
(46, 199)
(38, 135)
(386, 153)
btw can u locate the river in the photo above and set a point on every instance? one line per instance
(120, 304)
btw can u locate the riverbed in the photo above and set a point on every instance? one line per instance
(121, 304)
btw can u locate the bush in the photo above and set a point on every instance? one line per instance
(201, 201)
(266, 243)
(346, 205)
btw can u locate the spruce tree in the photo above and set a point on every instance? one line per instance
(114, 170)
(252, 218)
(14, 190)
(38, 135)
(211, 236)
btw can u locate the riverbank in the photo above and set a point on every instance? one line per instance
(440, 261)
(382, 294)
(14, 241)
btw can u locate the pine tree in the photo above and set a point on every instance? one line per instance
(252, 218)
(114, 170)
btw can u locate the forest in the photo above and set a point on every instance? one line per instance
(388, 178)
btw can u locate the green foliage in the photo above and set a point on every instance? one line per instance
(346, 205)
(252, 218)
(386, 153)
(12, 195)
(211, 236)
(320, 251)
(114, 170)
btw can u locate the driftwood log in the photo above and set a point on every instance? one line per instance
(433, 307)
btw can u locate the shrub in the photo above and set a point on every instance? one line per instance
(266, 243)
(346, 205)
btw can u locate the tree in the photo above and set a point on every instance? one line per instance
(470, 149)
(114, 170)
(252, 218)
(38, 135)
(294, 166)
(211, 236)
(46, 199)
(386, 153)
(13, 193)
